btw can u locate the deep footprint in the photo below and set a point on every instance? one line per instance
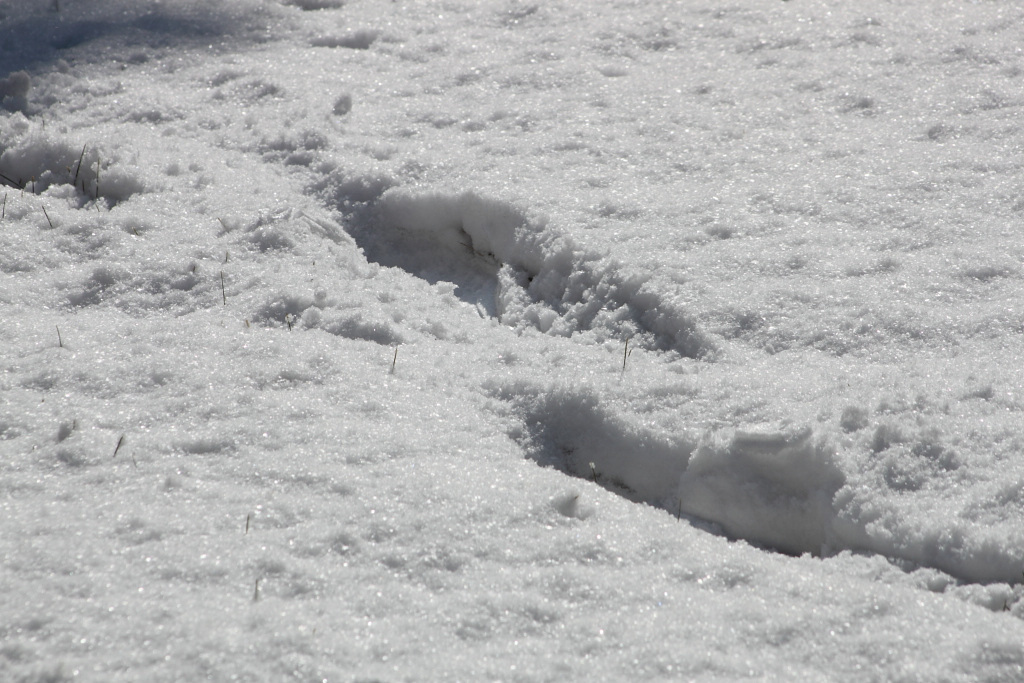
(521, 271)
(771, 485)
(778, 486)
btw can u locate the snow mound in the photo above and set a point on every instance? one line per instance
(40, 160)
(515, 267)
(768, 484)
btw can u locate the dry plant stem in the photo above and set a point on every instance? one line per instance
(61, 341)
(223, 293)
(394, 360)
(78, 170)
(120, 442)
(48, 218)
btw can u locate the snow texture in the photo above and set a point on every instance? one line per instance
(441, 340)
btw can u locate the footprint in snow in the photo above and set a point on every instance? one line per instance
(772, 485)
(522, 272)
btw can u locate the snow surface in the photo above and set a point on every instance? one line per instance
(499, 340)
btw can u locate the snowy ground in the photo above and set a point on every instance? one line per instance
(459, 340)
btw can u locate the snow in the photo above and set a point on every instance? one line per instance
(500, 340)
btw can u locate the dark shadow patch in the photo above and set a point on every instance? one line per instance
(30, 39)
(94, 289)
(474, 275)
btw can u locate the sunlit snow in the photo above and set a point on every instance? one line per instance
(504, 340)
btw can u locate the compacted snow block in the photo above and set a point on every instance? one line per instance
(768, 484)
